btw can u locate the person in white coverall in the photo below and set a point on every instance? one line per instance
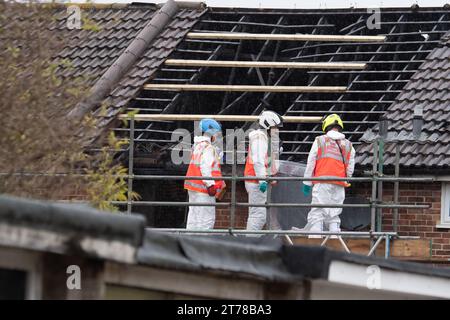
(331, 155)
(258, 164)
(204, 163)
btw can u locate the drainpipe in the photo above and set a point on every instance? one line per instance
(127, 59)
(383, 125)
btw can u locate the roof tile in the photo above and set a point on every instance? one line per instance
(430, 89)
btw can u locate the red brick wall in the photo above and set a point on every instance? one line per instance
(412, 222)
(74, 193)
(223, 214)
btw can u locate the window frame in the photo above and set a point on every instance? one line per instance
(445, 206)
(29, 262)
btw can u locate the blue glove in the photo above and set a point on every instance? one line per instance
(263, 186)
(306, 190)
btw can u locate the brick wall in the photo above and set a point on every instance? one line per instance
(412, 222)
(223, 214)
(162, 216)
(74, 193)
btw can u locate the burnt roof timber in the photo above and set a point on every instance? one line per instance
(332, 111)
(364, 71)
(322, 45)
(265, 24)
(406, 66)
(360, 53)
(345, 101)
(327, 12)
(175, 99)
(316, 78)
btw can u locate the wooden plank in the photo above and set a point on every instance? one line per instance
(242, 88)
(285, 37)
(411, 248)
(198, 117)
(399, 248)
(265, 64)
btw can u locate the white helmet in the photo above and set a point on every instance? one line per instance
(268, 119)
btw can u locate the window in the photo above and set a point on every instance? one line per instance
(119, 292)
(20, 276)
(445, 206)
(12, 284)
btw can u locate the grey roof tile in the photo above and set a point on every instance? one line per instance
(154, 56)
(430, 89)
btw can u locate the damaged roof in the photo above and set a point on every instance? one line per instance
(429, 90)
(411, 67)
(411, 35)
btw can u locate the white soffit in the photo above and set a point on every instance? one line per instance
(379, 278)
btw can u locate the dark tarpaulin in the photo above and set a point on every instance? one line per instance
(291, 192)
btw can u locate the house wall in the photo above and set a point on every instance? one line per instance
(74, 193)
(163, 216)
(413, 222)
(241, 213)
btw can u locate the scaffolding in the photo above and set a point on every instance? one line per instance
(316, 62)
(375, 234)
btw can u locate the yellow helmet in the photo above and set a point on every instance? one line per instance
(332, 119)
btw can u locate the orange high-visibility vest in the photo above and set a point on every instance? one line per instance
(249, 170)
(194, 170)
(330, 161)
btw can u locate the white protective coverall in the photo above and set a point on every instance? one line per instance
(259, 143)
(203, 217)
(326, 193)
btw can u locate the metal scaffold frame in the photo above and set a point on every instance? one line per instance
(376, 203)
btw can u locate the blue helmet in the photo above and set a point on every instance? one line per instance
(210, 126)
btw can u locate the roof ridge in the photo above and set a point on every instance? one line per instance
(100, 6)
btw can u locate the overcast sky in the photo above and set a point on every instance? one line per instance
(307, 3)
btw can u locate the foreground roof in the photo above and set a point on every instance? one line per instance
(82, 231)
